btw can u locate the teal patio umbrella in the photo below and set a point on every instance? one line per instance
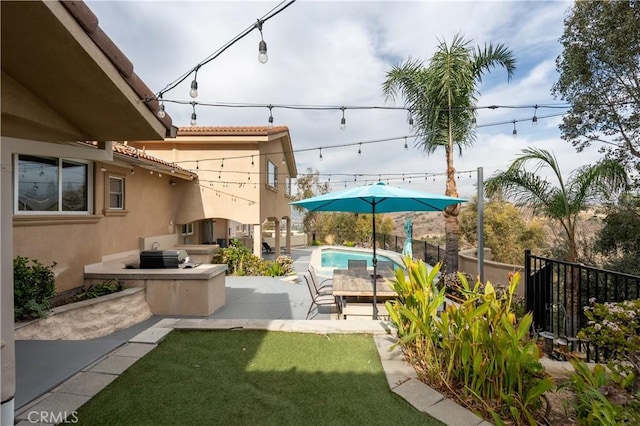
(377, 198)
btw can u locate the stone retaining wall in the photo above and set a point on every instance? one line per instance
(89, 319)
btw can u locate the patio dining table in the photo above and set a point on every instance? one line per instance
(359, 283)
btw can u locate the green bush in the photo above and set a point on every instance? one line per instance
(97, 290)
(33, 285)
(475, 348)
(241, 261)
(592, 407)
(613, 396)
(615, 327)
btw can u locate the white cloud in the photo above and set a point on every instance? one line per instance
(337, 53)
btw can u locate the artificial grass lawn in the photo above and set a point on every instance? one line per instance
(249, 377)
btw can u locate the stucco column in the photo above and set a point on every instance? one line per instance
(257, 240)
(8, 353)
(288, 237)
(276, 235)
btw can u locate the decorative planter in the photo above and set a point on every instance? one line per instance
(88, 319)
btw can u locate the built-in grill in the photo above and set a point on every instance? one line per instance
(158, 259)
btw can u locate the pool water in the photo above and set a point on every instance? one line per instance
(336, 259)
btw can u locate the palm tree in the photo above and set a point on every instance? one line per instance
(442, 97)
(561, 203)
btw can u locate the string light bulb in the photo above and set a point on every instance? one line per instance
(534, 120)
(411, 124)
(515, 131)
(359, 150)
(194, 84)
(262, 45)
(194, 117)
(320, 153)
(405, 143)
(343, 121)
(161, 114)
(252, 163)
(270, 116)
(474, 120)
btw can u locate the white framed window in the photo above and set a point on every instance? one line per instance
(272, 174)
(287, 186)
(187, 229)
(116, 193)
(46, 185)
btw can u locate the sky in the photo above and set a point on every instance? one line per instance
(337, 53)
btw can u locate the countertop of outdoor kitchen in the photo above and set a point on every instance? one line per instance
(126, 268)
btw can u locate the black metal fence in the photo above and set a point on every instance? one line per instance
(557, 292)
(430, 253)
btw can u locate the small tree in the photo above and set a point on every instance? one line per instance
(506, 232)
(619, 238)
(309, 186)
(562, 203)
(600, 77)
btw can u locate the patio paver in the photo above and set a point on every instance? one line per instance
(54, 404)
(113, 364)
(135, 350)
(419, 395)
(86, 383)
(451, 413)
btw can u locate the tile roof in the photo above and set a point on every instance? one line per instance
(231, 130)
(134, 152)
(89, 23)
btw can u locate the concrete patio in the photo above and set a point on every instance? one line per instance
(246, 298)
(59, 376)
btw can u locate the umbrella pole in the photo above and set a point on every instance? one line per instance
(375, 263)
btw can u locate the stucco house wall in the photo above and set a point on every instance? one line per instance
(63, 82)
(73, 241)
(236, 183)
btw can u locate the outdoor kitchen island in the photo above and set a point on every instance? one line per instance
(192, 289)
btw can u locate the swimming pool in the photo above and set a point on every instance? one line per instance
(334, 258)
(339, 259)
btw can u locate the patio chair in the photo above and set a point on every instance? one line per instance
(356, 264)
(321, 287)
(266, 247)
(385, 266)
(319, 299)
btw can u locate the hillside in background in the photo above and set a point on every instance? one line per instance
(426, 225)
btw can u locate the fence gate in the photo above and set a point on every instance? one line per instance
(557, 292)
(538, 296)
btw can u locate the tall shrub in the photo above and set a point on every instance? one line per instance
(33, 285)
(475, 349)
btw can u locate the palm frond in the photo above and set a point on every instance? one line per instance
(491, 57)
(523, 187)
(603, 180)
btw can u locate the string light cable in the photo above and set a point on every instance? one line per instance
(344, 108)
(194, 70)
(360, 144)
